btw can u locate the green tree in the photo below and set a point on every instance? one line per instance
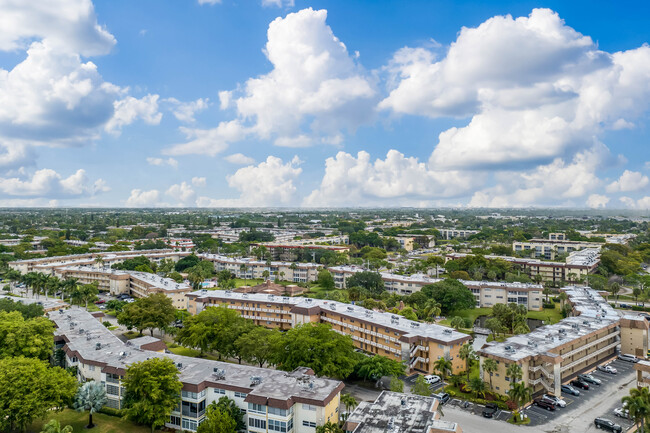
(229, 406)
(431, 310)
(318, 347)
(396, 385)
(514, 372)
(88, 292)
(329, 427)
(477, 386)
(217, 420)
(490, 367)
(467, 354)
(90, 397)
(349, 402)
(152, 391)
(451, 294)
(421, 387)
(19, 337)
(54, 426)
(158, 311)
(29, 389)
(494, 325)
(258, 345)
(520, 394)
(638, 405)
(443, 366)
(325, 279)
(457, 322)
(614, 289)
(371, 281)
(376, 367)
(28, 311)
(547, 292)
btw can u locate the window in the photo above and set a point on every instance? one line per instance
(309, 424)
(112, 389)
(240, 394)
(91, 367)
(257, 423)
(256, 408)
(114, 404)
(308, 407)
(175, 420)
(189, 424)
(280, 426)
(276, 411)
(219, 391)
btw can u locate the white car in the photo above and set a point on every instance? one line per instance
(621, 412)
(627, 357)
(607, 369)
(558, 401)
(431, 379)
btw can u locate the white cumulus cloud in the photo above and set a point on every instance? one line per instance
(208, 141)
(240, 159)
(182, 193)
(198, 181)
(129, 109)
(185, 111)
(141, 198)
(597, 201)
(48, 183)
(161, 161)
(629, 181)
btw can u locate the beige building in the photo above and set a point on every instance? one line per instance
(248, 268)
(551, 355)
(136, 284)
(554, 245)
(578, 265)
(289, 251)
(271, 400)
(487, 293)
(419, 345)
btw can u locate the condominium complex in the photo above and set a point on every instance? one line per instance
(48, 304)
(551, 247)
(271, 400)
(553, 354)
(419, 345)
(137, 284)
(487, 293)
(46, 264)
(578, 265)
(289, 251)
(249, 268)
(456, 233)
(398, 412)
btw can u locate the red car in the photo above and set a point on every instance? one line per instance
(101, 301)
(580, 384)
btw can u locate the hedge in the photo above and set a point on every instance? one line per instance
(110, 411)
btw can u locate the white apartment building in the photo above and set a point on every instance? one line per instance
(249, 268)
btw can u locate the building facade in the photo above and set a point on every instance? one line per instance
(416, 344)
(549, 248)
(271, 400)
(248, 268)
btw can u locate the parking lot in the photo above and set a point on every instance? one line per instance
(540, 416)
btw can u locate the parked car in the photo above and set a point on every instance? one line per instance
(570, 390)
(129, 300)
(101, 301)
(443, 397)
(608, 425)
(607, 369)
(589, 379)
(558, 401)
(627, 357)
(431, 379)
(544, 403)
(579, 384)
(621, 412)
(489, 410)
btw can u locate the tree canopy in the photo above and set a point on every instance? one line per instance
(32, 337)
(452, 295)
(371, 281)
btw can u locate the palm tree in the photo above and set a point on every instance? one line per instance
(12, 275)
(443, 366)
(562, 297)
(431, 310)
(467, 354)
(55, 427)
(457, 322)
(477, 386)
(490, 367)
(615, 288)
(547, 291)
(68, 286)
(40, 282)
(520, 394)
(99, 260)
(638, 405)
(53, 284)
(91, 397)
(349, 402)
(515, 372)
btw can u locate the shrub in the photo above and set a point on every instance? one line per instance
(549, 306)
(511, 405)
(110, 411)
(106, 323)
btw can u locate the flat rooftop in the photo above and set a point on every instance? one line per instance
(252, 262)
(47, 303)
(84, 333)
(406, 327)
(594, 314)
(396, 412)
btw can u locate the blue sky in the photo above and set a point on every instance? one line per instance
(324, 103)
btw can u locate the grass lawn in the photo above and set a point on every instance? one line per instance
(319, 292)
(186, 351)
(470, 313)
(113, 328)
(552, 315)
(241, 282)
(79, 420)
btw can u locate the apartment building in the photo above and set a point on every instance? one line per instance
(578, 265)
(137, 284)
(487, 293)
(419, 345)
(45, 264)
(289, 251)
(271, 400)
(642, 373)
(456, 233)
(48, 304)
(553, 354)
(249, 268)
(397, 412)
(180, 244)
(549, 248)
